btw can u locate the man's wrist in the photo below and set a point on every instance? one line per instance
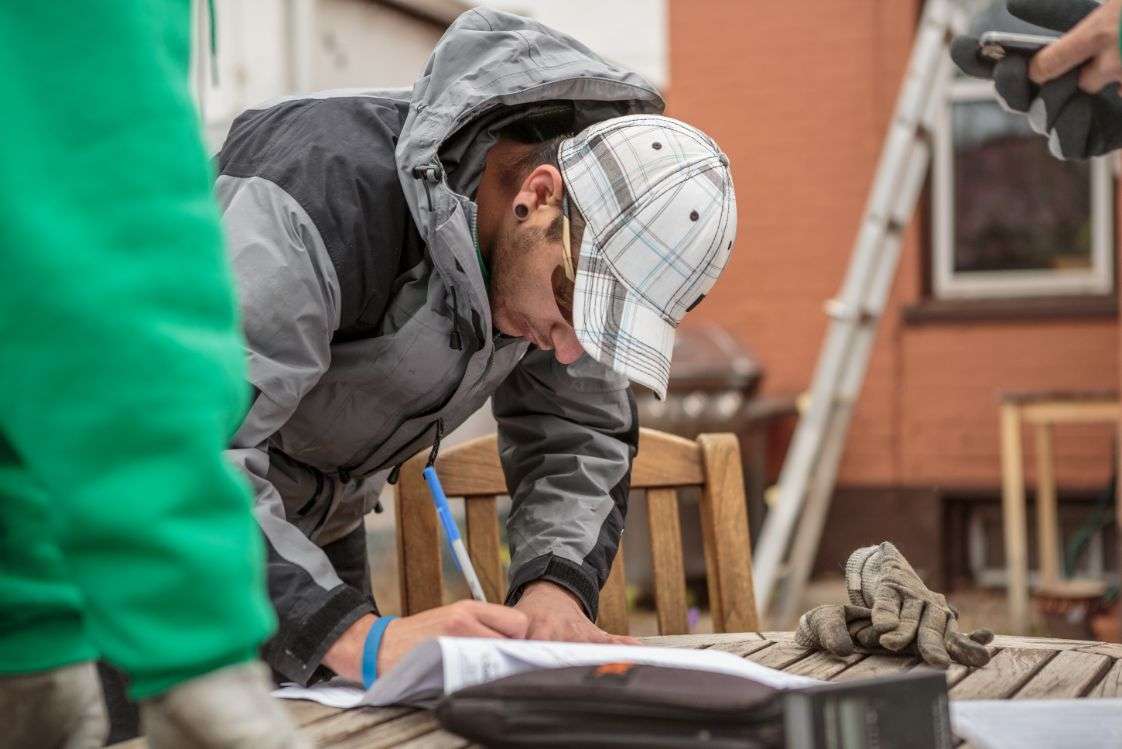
(548, 587)
(344, 657)
(562, 573)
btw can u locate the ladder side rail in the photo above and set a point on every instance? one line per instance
(920, 81)
(812, 521)
(814, 425)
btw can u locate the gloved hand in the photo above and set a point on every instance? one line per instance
(905, 610)
(62, 707)
(844, 629)
(229, 708)
(1078, 124)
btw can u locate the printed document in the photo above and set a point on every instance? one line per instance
(447, 664)
(1040, 724)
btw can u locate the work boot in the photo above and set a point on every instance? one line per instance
(57, 709)
(229, 708)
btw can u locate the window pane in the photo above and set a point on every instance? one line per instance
(1016, 207)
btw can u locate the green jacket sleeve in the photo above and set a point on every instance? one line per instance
(124, 371)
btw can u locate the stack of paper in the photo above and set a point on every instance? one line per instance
(446, 664)
(1041, 724)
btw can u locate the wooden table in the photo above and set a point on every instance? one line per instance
(1023, 668)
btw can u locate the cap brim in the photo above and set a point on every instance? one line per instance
(617, 327)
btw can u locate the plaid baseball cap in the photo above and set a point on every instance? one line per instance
(660, 215)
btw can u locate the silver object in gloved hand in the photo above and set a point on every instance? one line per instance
(844, 629)
(1078, 124)
(905, 610)
(230, 708)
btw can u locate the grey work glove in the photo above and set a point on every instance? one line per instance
(62, 707)
(844, 629)
(1078, 125)
(827, 628)
(905, 610)
(229, 708)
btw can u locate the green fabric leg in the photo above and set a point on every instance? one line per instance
(38, 600)
(123, 373)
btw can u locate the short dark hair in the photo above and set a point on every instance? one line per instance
(541, 132)
(528, 158)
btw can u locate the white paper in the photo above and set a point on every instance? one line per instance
(1040, 724)
(448, 664)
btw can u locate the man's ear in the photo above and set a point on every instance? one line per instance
(542, 187)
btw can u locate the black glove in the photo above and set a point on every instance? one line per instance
(1078, 125)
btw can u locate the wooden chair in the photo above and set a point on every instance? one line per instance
(665, 463)
(1041, 409)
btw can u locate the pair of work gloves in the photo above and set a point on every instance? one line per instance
(1078, 124)
(891, 610)
(230, 708)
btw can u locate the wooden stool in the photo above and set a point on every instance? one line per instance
(1042, 409)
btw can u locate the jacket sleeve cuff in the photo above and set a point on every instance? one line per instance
(861, 570)
(569, 575)
(299, 646)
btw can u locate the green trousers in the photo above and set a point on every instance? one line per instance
(123, 533)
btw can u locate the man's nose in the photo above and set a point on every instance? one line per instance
(566, 346)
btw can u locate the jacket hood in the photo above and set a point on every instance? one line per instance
(488, 70)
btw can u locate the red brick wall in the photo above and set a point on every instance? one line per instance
(799, 96)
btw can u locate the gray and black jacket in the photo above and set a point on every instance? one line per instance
(366, 314)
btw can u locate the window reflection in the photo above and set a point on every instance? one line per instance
(1016, 207)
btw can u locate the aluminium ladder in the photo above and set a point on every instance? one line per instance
(806, 482)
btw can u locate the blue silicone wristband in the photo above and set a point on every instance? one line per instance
(371, 648)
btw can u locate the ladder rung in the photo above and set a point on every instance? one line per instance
(836, 309)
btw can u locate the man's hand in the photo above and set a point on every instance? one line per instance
(555, 614)
(460, 619)
(1065, 89)
(1091, 45)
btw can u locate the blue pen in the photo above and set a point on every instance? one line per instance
(451, 531)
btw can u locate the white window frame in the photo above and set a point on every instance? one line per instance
(947, 284)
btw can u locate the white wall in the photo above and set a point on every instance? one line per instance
(631, 32)
(364, 44)
(271, 48)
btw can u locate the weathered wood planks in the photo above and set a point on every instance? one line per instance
(1023, 668)
(1003, 676)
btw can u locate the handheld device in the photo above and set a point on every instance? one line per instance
(995, 45)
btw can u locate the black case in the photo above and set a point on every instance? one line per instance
(630, 705)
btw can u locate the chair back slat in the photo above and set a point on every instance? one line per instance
(613, 599)
(664, 464)
(724, 525)
(419, 542)
(471, 469)
(667, 570)
(666, 460)
(483, 545)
